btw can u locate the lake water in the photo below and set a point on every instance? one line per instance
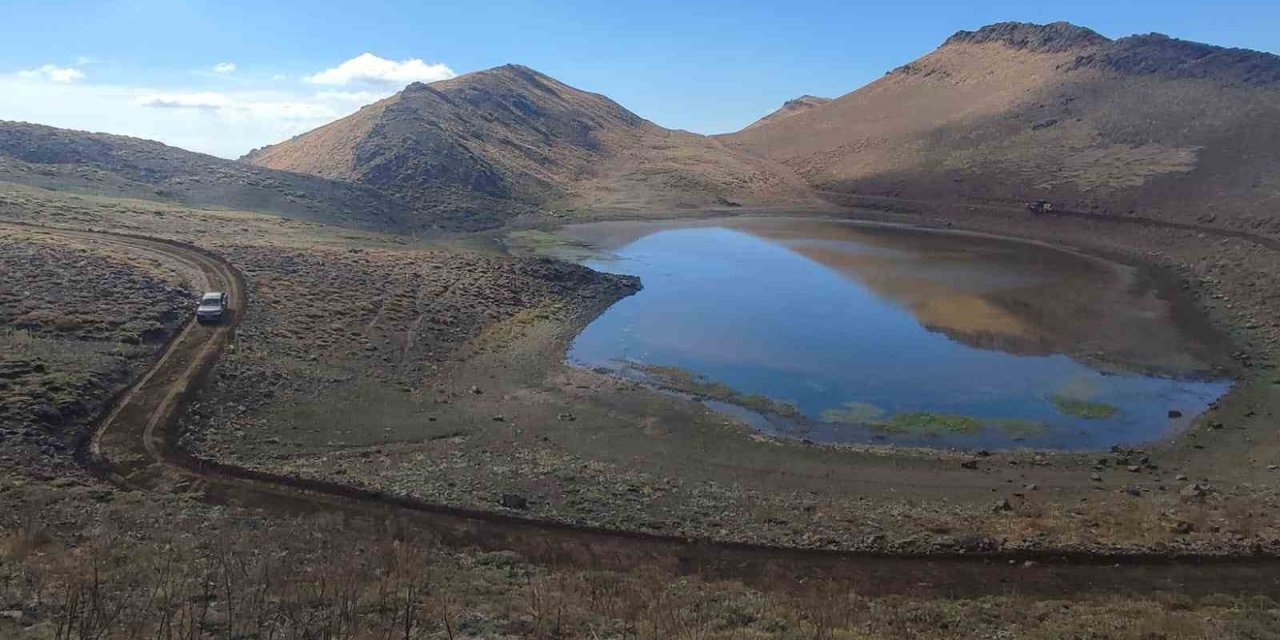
(840, 333)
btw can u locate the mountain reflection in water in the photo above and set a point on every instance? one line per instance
(840, 333)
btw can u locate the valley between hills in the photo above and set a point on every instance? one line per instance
(385, 432)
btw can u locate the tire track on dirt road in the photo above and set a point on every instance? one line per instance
(135, 447)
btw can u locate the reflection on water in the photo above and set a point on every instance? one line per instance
(839, 333)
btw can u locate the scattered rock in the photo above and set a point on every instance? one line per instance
(1002, 505)
(566, 417)
(1096, 477)
(499, 418)
(969, 464)
(1196, 491)
(514, 501)
(1181, 527)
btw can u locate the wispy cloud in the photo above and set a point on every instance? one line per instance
(367, 68)
(206, 112)
(201, 100)
(53, 73)
(324, 105)
(224, 67)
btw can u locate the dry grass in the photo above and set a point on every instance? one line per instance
(84, 562)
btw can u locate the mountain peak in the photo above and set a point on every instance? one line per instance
(1055, 37)
(790, 108)
(510, 138)
(807, 99)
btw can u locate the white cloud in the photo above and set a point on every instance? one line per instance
(323, 105)
(367, 68)
(199, 115)
(52, 73)
(224, 67)
(223, 124)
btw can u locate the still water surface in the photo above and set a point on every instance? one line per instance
(841, 333)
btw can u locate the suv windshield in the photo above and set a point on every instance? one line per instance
(213, 299)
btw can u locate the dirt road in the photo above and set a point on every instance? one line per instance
(134, 447)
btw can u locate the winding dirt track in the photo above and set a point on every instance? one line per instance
(134, 447)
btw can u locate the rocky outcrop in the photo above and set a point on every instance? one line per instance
(1046, 38)
(1158, 54)
(790, 108)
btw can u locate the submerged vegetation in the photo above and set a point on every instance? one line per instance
(1022, 429)
(682, 380)
(865, 414)
(1077, 408)
(926, 423)
(853, 413)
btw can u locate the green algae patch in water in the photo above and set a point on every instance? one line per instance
(855, 413)
(930, 424)
(1086, 409)
(868, 415)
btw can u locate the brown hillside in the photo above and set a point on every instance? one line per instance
(99, 163)
(790, 108)
(514, 134)
(1144, 125)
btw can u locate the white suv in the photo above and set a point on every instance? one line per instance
(213, 306)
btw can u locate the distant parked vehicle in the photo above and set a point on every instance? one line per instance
(1040, 206)
(213, 307)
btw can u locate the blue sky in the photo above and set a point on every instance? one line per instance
(150, 68)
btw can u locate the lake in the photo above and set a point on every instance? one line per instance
(841, 333)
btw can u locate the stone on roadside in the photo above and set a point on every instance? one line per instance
(514, 501)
